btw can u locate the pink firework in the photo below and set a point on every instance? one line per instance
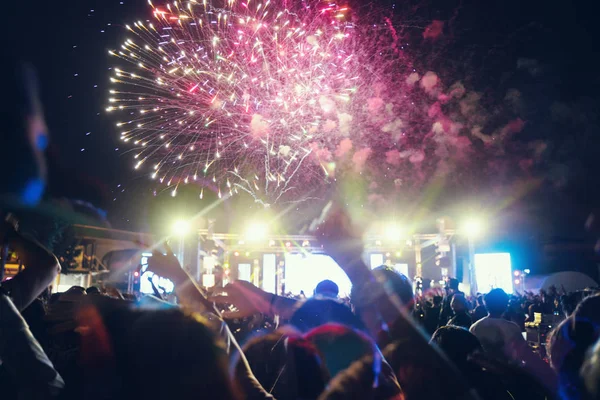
(243, 95)
(275, 101)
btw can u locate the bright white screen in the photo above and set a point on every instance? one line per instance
(244, 273)
(402, 268)
(305, 272)
(492, 271)
(269, 273)
(376, 260)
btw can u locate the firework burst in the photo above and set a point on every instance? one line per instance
(252, 96)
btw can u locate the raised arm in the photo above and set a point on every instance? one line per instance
(250, 300)
(343, 242)
(41, 268)
(191, 296)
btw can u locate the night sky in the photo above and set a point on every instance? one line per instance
(546, 50)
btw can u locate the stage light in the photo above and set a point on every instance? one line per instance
(256, 231)
(517, 273)
(472, 227)
(398, 254)
(392, 233)
(517, 281)
(180, 228)
(527, 271)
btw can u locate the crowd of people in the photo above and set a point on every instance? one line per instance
(450, 306)
(240, 342)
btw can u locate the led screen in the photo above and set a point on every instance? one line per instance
(493, 270)
(304, 272)
(160, 282)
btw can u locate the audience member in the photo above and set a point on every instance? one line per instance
(451, 289)
(480, 311)
(460, 309)
(515, 313)
(432, 314)
(287, 366)
(328, 289)
(497, 335)
(316, 312)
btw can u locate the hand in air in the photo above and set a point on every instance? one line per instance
(114, 293)
(341, 239)
(167, 266)
(245, 297)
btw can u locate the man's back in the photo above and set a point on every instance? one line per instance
(432, 316)
(479, 313)
(461, 319)
(498, 336)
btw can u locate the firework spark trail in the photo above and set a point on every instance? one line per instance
(243, 91)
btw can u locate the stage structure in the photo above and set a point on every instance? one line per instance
(263, 260)
(107, 256)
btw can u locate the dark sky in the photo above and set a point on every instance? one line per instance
(544, 49)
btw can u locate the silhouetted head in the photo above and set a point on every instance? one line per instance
(286, 366)
(317, 312)
(559, 343)
(396, 283)
(496, 302)
(92, 290)
(453, 284)
(340, 346)
(589, 309)
(457, 342)
(459, 303)
(152, 354)
(567, 346)
(327, 288)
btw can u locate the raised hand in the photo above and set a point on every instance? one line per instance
(245, 297)
(114, 293)
(188, 292)
(41, 266)
(167, 266)
(342, 240)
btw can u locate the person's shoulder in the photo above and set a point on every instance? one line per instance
(478, 324)
(505, 322)
(511, 326)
